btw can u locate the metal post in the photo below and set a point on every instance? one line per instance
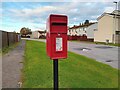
(55, 69)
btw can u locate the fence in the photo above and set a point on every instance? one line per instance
(81, 38)
(9, 38)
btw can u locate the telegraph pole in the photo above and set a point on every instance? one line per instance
(115, 26)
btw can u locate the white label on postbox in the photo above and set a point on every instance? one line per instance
(59, 46)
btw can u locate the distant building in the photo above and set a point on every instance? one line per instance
(35, 35)
(108, 28)
(38, 34)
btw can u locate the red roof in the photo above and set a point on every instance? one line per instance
(84, 25)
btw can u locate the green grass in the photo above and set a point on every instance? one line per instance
(76, 71)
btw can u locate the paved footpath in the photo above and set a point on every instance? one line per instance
(12, 65)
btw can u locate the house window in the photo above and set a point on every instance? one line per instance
(95, 29)
(117, 32)
(83, 29)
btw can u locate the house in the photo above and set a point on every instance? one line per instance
(74, 31)
(79, 30)
(90, 31)
(42, 34)
(108, 28)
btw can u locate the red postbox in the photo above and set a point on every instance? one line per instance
(56, 38)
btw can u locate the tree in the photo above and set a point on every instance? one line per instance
(80, 24)
(86, 22)
(25, 31)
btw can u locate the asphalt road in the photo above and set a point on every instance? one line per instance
(102, 53)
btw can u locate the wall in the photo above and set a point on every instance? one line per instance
(117, 39)
(90, 30)
(105, 29)
(35, 35)
(80, 38)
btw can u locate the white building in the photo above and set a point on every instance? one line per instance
(78, 30)
(35, 34)
(90, 30)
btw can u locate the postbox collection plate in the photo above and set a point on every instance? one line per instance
(59, 46)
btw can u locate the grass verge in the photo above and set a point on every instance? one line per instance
(76, 71)
(111, 44)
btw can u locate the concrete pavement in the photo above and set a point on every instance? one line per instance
(12, 65)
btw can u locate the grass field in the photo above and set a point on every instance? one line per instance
(76, 71)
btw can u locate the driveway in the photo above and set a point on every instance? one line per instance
(102, 53)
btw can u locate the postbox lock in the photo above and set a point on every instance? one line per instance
(58, 34)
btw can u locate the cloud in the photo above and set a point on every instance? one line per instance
(0, 10)
(32, 15)
(58, 0)
(109, 9)
(35, 14)
(0, 13)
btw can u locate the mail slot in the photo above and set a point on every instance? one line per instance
(56, 37)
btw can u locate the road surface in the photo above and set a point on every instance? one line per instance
(102, 53)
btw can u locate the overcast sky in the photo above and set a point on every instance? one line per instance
(33, 15)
